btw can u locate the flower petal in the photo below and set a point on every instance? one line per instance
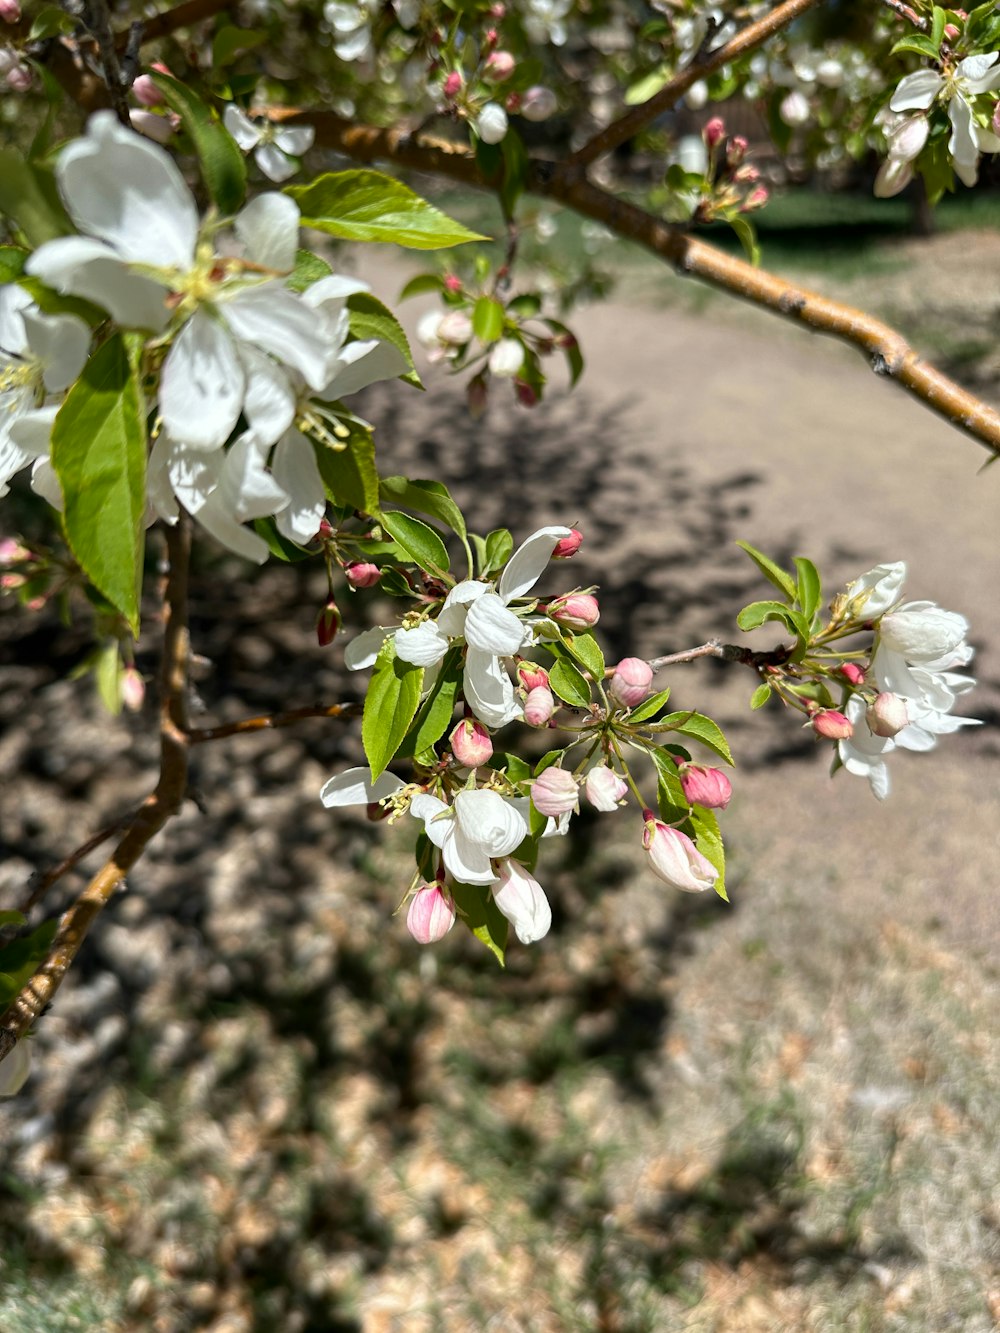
(488, 689)
(275, 165)
(269, 229)
(78, 266)
(241, 127)
(364, 363)
(202, 383)
(269, 401)
(295, 139)
(917, 91)
(489, 821)
(296, 472)
(423, 645)
(522, 901)
(362, 651)
(355, 787)
(277, 321)
(492, 628)
(963, 144)
(451, 621)
(61, 343)
(525, 566)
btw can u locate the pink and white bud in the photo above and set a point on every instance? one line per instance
(19, 78)
(568, 546)
(577, 611)
(499, 65)
(631, 681)
(714, 131)
(452, 85)
(491, 123)
(431, 914)
(12, 552)
(736, 151)
(455, 327)
(133, 689)
(951, 31)
(887, 715)
(522, 900)
(327, 624)
(10, 11)
(757, 198)
(362, 574)
(539, 706)
(470, 743)
(152, 126)
(531, 676)
(604, 788)
(705, 786)
(852, 672)
(675, 858)
(145, 91)
(507, 358)
(538, 103)
(832, 726)
(555, 792)
(996, 119)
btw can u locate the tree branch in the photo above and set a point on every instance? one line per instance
(268, 722)
(628, 125)
(904, 11)
(728, 652)
(42, 881)
(165, 802)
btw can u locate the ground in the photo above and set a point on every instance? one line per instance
(257, 1105)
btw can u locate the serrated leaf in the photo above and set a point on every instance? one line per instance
(760, 695)
(309, 268)
(498, 549)
(420, 542)
(223, 168)
(99, 456)
(568, 683)
(587, 651)
(349, 474)
(809, 588)
(435, 713)
(708, 840)
(699, 728)
(369, 318)
(427, 497)
(649, 707)
(13, 918)
(364, 205)
(51, 21)
(778, 576)
(392, 699)
(758, 613)
(29, 197)
(480, 913)
(487, 319)
(421, 285)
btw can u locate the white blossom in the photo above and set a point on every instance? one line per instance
(871, 595)
(522, 900)
(481, 825)
(355, 787)
(958, 86)
(491, 123)
(273, 145)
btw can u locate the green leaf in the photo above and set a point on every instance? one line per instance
(480, 913)
(21, 959)
(349, 474)
(50, 22)
(569, 347)
(586, 650)
(391, 701)
(646, 87)
(779, 577)
(13, 919)
(917, 44)
(810, 590)
(513, 765)
(699, 728)
(671, 800)
(435, 713)
(28, 196)
(568, 683)
(649, 707)
(230, 42)
(746, 233)
(427, 497)
(99, 455)
(278, 544)
(760, 695)
(515, 170)
(938, 19)
(222, 166)
(12, 262)
(363, 205)
(108, 676)
(309, 268)
(421, 284)
(369, 318)
(758, 613)
(525, 306)
(487, 319)
(499, 547)
(709, 842)
(420, 542)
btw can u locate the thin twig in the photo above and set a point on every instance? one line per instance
(268, 722)
(710, 649)
(904, 11)
(628, 125)
(97, 18)
(42, 881)
(727, 652)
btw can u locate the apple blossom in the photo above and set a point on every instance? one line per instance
(708, 787)
(351, 27)
(521, 899)
(604, 788)
(274, 145)
(538, 103)
(958, 86)
(555, 792)
(578, 610)
(500, 65)
(491, 123)
(923, 632)
(568, 546)
(530, 674)
(831, 725)
(10, 11)
(794, 109)
(355, 787)
(871, 595)
(362, 574)
(507, 357)
(674, 857)
(133, 689)
(631, 681)
(887, 714)
(481, 825)
(452, 85)
(905, 139)
(539, 706)
(852, 672)
(470, 743)
(431, 914)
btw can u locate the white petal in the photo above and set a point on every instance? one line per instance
(295, 139)
(159, 490)
(14, 300)
(61, 343)
(277, 321)
(241, 127)
(275, 164)
(525, 566)
(489, 821)
(13, 455)
(491, 627)
(269, 229)
(78, 266)
(201, 385)
(893, 176)
(45, 483)
(451, 621)
(331, 293)
(881, 587)
(362, 651)
(980, 74)
(295, 469)
(355, 787)
(488, 689)
(428, 808)
(247, 488)
(127, 191)
(269, 400)
(423, 645)
(522, 901)
(364, 363)
(917, 91)
(467, 860)
(963, 144)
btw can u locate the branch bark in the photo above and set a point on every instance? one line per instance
(268, 722)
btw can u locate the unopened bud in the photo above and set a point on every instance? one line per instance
(951, 31)
(527, 395)
(499, 65)
(852, 672)
(491, 123)
(539, 706)
(714, 131)
(362, 574)
(327, 624)
(604, 788)
(452, 282)
(568, 546)
(452, 85)
(497, 12)
(324, 532)
(455, 327)
(538, 103)
(12, 552)
(631, 681)
(705, 786)
(577, 611)
(470, 743)
(794, 109)
(133, 689)
(746, 175)
(532, 676)
(555, 792)
(10, 11)
(490, 38)
(675, 858)
(736, 150)
(477, 394)
(160, 129)
(19, 78)
(145, 91)
(507, 358)
(831, 725)
(887, 715)
(431, 914)
(757, 198)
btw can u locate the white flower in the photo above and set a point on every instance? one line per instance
(604, 788)
(958, 87)
(873, 593)
(507, 357)
(521, 899)
(863, 753)
(544, 20)
(274, 146)
(355, 787)
(923, 632)
(141, 259)
(675, 859)
(480, 826)
(40, 355)
(491, 123)
(794, 109)
(351, 24)
(905, 139)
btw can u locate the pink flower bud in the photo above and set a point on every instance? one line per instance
(497, 12)
(887, 715)
(530, 675)
(567, 546)
(452, 85)
(145, 91)
(362, 574)
(951, 31)
(831, 725)
(12, 552)
(714, 131)
(757, 198)
(477, 395)
(675, 858)
(527, 396)
(736, 151)
(705, 786)
(452, 282)
(538, 103)
(490, 37)
(579, 610)
(10, 11)
(604, 788)
(327, 624)
(746, 175)
(19, 78)
(455, 327)
(431, 914)
(555, 792)
(160, 129)
(133, 689)
(499, 65)
(470, 743)
(852, 672)
(631, 681)
(539, 706)
(996, 119)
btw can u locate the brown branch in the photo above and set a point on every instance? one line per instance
(727, 652)
(248, 725)
(42, 881)
(628, 125)
(181, 16)
(887, 351)
(165, 801)
(904, 11)
(710, 649)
